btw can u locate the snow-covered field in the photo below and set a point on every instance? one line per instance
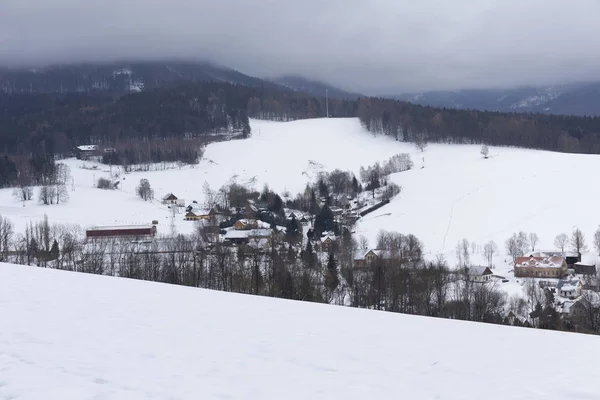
(69, 335)
(285, 155)
(457, 194)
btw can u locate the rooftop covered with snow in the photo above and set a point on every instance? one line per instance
(539, 262)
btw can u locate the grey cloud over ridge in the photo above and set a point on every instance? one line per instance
(373, 46)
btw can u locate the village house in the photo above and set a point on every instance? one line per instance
(245, 224)
(85, 152)
(569, 288)
(250, 211)
(367, 257)
(171, 199)
(327, 243)
(540, 267)
(342, 201)
(195, 213)
(566, 308)
(584, 268)
(480, 273)
(257, 237)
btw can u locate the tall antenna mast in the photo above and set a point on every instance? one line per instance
(326, 104)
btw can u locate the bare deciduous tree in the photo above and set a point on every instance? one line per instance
(534, 294)
(61, 194)
(23, 193)
(485, 151)
(63, 173)
(144, 190)
(421, 141)
(46, 195)
(561, 241)
(465, 250)
(523, 242)
(597, 240)
(489, 250)
(6, 234)
(363, 242)
(578, 241)
(516, 245)
(390, 191)
(533, 240)
(462, 253)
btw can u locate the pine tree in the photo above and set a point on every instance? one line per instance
(308, 255)
(324, 220)
(292, 229)
(277, 206)
(314, 205)
(332, 280)
(355, 186)
(323, 189)
(54, 252)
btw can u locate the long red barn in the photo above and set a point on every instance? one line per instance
(121, 231)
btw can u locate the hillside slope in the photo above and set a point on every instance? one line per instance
(286, 156)
(76, 336)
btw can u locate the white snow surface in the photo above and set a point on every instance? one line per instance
(286, 156)
(68, 335)
(458, 194)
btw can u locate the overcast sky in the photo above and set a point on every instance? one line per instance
(372, 46)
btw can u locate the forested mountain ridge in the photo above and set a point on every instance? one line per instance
(119, 77)
(315, 88)
(574, 99)
(37, 127)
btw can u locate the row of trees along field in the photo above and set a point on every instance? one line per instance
(402, 282)
(38, 127)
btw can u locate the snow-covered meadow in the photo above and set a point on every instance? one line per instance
(69, 335)
(286, 156)
(457, 194)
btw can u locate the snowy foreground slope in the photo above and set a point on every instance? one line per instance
(75, 336)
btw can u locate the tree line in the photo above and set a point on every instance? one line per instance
(400, 280)
(36, 128)
(415, 123)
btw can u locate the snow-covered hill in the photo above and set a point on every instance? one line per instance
(286, 156)
(457, 194)
(76, 336)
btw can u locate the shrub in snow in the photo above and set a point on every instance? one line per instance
(104, 183)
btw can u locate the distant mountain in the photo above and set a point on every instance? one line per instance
(118, 77)
(315, 88)
(573, 99)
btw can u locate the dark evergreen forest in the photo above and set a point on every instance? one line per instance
(38, 128)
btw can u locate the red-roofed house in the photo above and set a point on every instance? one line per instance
(540, 267)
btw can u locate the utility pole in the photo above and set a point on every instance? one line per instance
(173, 228)
(326, 103)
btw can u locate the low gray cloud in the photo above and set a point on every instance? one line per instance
(375, 46)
